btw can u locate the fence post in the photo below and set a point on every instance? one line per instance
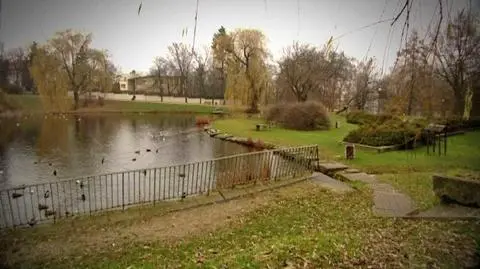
(123, 191)
(182, 175)
(209, 176)
(154, 185)
(11, 208)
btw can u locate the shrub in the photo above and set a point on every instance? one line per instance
(202, 120)
(456, 123)
(6, 104)
(250, 142)
(393, 132)
(361, 117)
(300, 116)
(250, 110)
(259, 144)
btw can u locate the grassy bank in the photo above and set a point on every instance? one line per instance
(409, 171)
(32, 104)
(301, 226)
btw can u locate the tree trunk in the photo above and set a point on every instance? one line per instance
(185, 91)
(459, 103)
(75, 99)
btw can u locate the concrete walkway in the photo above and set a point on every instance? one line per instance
(388, 202)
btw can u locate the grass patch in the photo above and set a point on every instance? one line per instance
(461, 152)
(298, 226)
(32, 104)
(419, 186)
(327, 140)
(468, 174)
(28, 103)
(409, 171)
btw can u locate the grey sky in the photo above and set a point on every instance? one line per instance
(134, 41)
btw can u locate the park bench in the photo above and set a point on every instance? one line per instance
(263, 126)
(218, 111)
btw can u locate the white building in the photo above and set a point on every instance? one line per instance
(123, 81)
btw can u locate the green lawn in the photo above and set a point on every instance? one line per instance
(328, 140)
(301, 226)
(32, 104)
(27, 103)
(409, 171)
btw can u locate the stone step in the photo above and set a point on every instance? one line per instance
(363, 177)
(329, 168)
(330, 183)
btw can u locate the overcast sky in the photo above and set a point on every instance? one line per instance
(134, 40)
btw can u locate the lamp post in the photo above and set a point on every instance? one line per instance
(379, 91)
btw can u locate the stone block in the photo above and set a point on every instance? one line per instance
(457, 190)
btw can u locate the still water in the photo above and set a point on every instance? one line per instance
(40, 149)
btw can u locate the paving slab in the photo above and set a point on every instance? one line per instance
(363, 177)
(387, 201)
(330, 168)
(450, 211)
(392, 204)
(351, 170)
(330, 183)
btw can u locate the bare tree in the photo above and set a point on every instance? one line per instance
(180, 57)
(364, 84)
(18, 66)
(160, 71)
(299, 70)
(200, 73)
(457, 58)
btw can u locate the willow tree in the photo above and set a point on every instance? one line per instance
(246, 61)
(50, 79)
(101, 71)
(72, 48)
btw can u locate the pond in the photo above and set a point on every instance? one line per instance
(39, 149)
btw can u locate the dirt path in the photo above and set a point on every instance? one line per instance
(118, 230)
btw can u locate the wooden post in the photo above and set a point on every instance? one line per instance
(350, 151)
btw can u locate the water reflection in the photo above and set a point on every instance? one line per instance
(31, 149)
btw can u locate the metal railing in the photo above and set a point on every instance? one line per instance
(45, 202)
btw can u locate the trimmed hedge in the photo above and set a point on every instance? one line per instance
(392, 132)
(300, 116)
(360, 118)
(458, 124)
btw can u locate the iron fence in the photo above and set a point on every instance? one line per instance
(45, 202)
